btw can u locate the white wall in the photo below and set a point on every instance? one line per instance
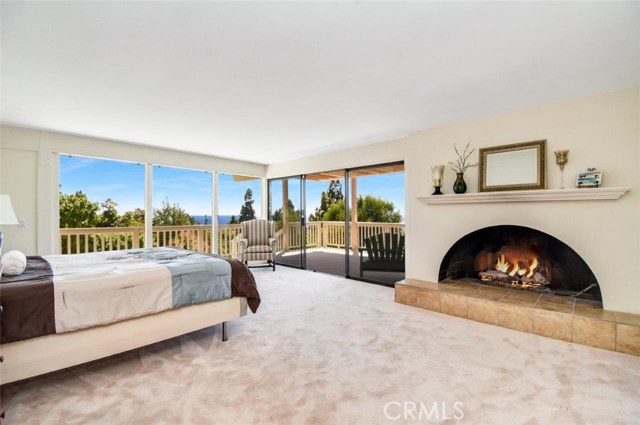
(600, 131)
(29, 173)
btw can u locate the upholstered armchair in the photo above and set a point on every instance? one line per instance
(258, 242)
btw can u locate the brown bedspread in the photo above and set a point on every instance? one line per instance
(243, 284)
(28, 300)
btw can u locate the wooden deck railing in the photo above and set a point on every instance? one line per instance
(330, 234)
(195, 238)
(320, 234)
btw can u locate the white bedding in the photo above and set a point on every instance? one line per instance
(100, 288)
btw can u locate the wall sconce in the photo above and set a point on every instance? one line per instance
(7, 216)
(437, 171)
(562, 157)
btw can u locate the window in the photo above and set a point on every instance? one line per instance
(239, 199)
(182, 201)
(104, 196)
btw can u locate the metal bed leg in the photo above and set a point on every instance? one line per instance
(224, 331)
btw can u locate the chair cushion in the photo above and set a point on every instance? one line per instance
(258, 248)
(257, 231)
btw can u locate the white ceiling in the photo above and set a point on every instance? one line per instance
(269, 82)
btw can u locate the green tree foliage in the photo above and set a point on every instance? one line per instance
(76, 210)
(109, 216)
(294, 215)
(133, 218)
(370, 209)
(171, 215)
(328, 198)
(246, 211)
(233, 220)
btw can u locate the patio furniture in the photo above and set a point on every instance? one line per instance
(385, 253)
(258, 242)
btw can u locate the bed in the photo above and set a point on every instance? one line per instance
(66, 310)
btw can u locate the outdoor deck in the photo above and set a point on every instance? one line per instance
(327, 260)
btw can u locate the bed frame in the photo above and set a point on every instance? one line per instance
(36, 356)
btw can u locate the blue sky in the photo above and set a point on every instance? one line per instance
(123, 182)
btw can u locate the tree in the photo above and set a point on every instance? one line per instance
(370, 209)
(294, 215)
(332, 196)
(374, 209)
(109, 216)
(247, 212)
(206, 219)
(171, 215)
(133, 218)
(233, 220)
(77, 211)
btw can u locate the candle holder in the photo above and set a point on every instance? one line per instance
(437, 171)
(562, 157)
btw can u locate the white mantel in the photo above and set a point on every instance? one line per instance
(604, 193)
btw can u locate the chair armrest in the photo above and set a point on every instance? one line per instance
(273, 242)
(243, 242)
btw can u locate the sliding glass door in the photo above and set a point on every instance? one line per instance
(286, 210)
(342, 222)
(376, 205)
(326, 228)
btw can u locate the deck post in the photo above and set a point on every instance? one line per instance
(355, 240)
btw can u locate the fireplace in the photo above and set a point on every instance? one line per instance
(521, 258)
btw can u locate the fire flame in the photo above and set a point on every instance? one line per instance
(517, 268)
(502, 265)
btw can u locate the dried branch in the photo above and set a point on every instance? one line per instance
(462, 162)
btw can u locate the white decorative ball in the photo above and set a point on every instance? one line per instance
(13, 263)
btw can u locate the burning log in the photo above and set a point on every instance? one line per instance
(485, 260)
(513, 266)
(540, 279)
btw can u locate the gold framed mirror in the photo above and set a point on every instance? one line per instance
(519, 166)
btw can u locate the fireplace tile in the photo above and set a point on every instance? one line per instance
(453, 304)
(406, 294)
(492, 293)
(482, 310)
(557, 304)
(542, 314)
(552, 324)
(514, 316)
(422, 284)
(628, 339)
(428, 299)
(593, 309)
(520, 298)
(628, 318)
(460, 288)
(594, 332)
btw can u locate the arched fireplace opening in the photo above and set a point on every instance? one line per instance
(522, 258)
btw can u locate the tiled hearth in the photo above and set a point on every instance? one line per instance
(569, 319)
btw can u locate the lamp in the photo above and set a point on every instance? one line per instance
(437, 171)
(7, 216)
(562, 157)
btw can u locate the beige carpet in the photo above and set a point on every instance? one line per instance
(325, 350)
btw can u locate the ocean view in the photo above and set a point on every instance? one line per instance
(222, 219)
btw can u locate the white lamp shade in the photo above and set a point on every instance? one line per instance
(7, 216)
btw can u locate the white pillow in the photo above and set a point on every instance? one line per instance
(13, 263)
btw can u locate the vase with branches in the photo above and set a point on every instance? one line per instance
(460, 165)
